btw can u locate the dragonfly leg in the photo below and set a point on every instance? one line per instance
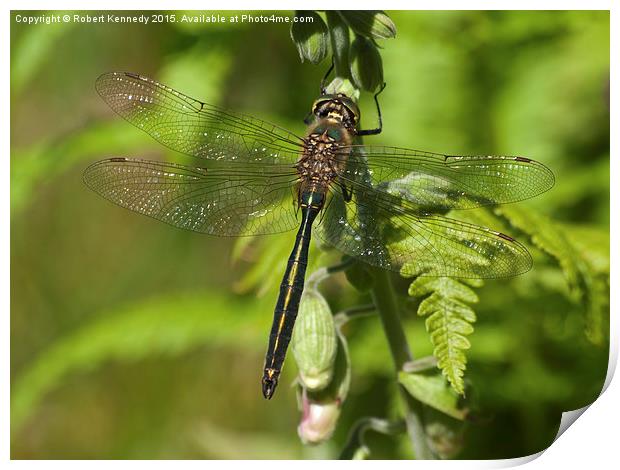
(324, 80)
(297, 199)
(347, 193)
(380, 128)
(324, 210)
(309, 118)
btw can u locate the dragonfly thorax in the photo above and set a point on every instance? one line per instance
(325, 152)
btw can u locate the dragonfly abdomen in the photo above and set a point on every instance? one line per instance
(291, 289)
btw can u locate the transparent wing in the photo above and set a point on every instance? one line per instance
(222, 201)
(389, 232)
(438, 183)
(195, 128)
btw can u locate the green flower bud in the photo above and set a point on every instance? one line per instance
(310, 37)
(344, 86)
(314, 341)
(321, 409)
(370, 24)
(361, 453)
(366, 65)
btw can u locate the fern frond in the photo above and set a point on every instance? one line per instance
(449, 321)
(592, 246)
(585, 264)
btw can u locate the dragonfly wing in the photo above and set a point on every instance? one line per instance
(195, 128)
(438, 183)
(387, 231)
(227, 201)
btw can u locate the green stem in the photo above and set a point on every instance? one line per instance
(345, 264)
(355, 443)
(422, 364)
(385, 301)
(323, 273)
(354, 312)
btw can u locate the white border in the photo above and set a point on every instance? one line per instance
(592, 441)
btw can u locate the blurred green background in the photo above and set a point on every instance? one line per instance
(131, 339)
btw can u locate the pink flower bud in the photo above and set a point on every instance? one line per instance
(318, 420)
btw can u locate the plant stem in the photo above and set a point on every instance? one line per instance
(382, 293)
(385, 301)
(323, 273)
(344, 316)
(356, 443)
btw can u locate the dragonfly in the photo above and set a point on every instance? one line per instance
(384, 206)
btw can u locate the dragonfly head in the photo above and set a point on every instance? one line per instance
(339, 107)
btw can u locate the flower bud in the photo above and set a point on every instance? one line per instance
(370, 24)
(310, 37)
(365, 63)
(361, 453)
(314, 341)
(445, 438)
(321, 409)
(318, 420)
(344, 86)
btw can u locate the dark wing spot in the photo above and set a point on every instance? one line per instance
(118, 159)
(523, 159)
(505, 237)
(132, 75)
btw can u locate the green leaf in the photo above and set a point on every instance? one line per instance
(310, 37)
(370, 24)
(366, 65)
(448, 320)
(434, 391)
(339, 40)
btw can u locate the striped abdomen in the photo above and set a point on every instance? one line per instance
(311, 203)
